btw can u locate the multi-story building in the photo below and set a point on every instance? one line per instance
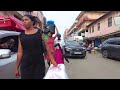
(85, 18)
(65, 36)
(17, 16)
(11, 20)
(71, 31)
(39, 16)
(11, 13)
(104, 27)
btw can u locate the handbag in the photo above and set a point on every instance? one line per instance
(56, 72)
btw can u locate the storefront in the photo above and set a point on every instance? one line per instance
(11, 23)
(107, 36)
(97, 41)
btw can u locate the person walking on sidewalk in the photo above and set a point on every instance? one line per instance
(50, 43)
(30, 57)
(58, 50)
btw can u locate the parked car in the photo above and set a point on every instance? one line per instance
(5, 52)
(73, 48)
(111, 48)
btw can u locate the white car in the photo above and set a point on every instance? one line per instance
(5, 53)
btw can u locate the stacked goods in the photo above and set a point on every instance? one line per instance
(50, 26)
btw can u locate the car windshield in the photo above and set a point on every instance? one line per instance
(72, 43)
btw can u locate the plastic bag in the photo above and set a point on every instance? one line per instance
(56, 72)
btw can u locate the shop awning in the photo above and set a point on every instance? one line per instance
(11, 23)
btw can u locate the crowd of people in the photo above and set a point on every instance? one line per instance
(31, 54)
(89, 46)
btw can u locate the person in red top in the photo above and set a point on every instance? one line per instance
(50, 44)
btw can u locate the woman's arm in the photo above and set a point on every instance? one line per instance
(19, 55)
(49, 52)
(56, 33)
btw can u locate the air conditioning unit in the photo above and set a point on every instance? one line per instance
(83, 34)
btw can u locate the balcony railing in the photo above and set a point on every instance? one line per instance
(25, 12)
(28, 12)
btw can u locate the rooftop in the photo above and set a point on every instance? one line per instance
(100, 18)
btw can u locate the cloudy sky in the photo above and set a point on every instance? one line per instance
(63, 19)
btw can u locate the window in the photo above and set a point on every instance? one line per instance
(109, 21)
(92, 29)
(87, 30)
(98, 26)
(28, 12)
(111, 42)
(117, 41)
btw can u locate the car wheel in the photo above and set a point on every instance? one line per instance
(105, 53)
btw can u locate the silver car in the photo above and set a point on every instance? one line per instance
(6, 53)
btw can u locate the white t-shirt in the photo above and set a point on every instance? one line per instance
(60, 42)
